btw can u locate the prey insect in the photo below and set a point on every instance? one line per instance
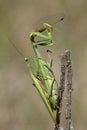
(43, 77)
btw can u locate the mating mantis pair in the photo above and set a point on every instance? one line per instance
(43, 77)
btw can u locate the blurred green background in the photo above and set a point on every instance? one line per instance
(20, 105)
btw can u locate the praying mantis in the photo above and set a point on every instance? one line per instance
(42, 75)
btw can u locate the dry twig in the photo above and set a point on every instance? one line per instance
(69, 89)
(66, 76)
(61, 90)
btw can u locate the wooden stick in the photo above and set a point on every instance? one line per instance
(69, 89)
(61, 90)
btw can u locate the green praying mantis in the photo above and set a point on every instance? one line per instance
(42, 76)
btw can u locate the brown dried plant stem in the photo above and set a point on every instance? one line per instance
(61, 90)
(65, 78)
(68, 92)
